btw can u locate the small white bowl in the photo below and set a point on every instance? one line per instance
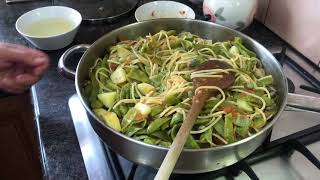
(68, 19)
(163, 9)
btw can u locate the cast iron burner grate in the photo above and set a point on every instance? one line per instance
(286, 145)
(283, 146)
(302, 72)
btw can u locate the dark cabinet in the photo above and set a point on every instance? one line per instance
(19, 149)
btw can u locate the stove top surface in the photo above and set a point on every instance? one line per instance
(97, 157)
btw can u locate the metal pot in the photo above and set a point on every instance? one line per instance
(191, 160)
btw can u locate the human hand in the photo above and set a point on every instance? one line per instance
(20, 67)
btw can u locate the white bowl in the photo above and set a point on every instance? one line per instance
(39, 26)
(163, 9)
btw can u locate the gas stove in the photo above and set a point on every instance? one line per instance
(291, 152)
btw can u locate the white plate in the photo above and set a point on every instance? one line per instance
(163, 9)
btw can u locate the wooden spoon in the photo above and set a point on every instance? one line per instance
(198, 102)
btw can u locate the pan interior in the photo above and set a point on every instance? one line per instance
(204, 30)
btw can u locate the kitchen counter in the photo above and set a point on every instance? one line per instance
(62, 155)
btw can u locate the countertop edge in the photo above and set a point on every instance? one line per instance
(42, 156)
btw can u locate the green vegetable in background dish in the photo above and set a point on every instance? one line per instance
(143, 88)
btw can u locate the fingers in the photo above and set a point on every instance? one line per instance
(5, 65)
(15, 90)
(40, 69)
(26, 80)
(22, 55)
(19, 83)
(19, 78)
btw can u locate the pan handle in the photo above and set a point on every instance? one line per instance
(302, 102)
(62, 68)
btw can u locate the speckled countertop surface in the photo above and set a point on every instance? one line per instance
(63, 158)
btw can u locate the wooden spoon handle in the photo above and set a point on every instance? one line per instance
(176, 147)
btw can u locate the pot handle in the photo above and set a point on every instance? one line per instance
(62, 68)
(303, 102)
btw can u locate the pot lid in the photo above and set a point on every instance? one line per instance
(100, 10)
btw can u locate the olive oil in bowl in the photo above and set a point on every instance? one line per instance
(49, 27)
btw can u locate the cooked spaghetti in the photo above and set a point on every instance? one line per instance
(143, 88)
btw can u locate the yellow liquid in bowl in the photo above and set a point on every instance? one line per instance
(49, 27)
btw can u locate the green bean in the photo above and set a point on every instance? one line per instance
(156, 79)
(242, 131)
(132, 130)
(109, 84)
(150, 140)
(123, 109)
(174, 130)
(155, 110)
(164, 144)
(258, 122)
(161, 135)
(242, 121)
(165, 126)
(202, 121)
(141, 132)
(211, 103)
(128, 118)
(191, 143)
(172, 99)
(228, 129)
(176, 118)
(269, 101)
(206, 137)
(138, 75)
(243, 50)
(125, 91)
(156, 124)
(96, 104)
(264, 81)
(141, 137)
(118, 111)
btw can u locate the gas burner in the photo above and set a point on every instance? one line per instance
(281, 57)
(303, 78)
(291, 86)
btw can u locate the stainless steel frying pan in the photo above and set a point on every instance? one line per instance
(191, 160)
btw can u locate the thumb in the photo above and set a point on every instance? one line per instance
(13, 53)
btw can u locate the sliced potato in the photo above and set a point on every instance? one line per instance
(109, 118)
(145, 88)
(108, 98)
(143, 109)
(118, 76)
